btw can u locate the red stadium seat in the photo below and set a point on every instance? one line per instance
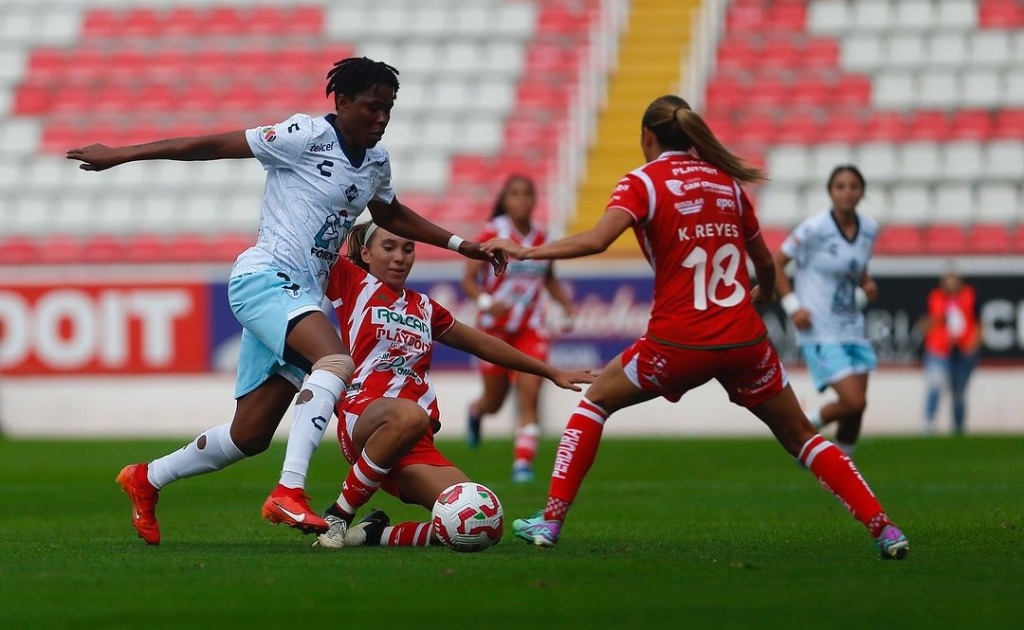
(102, 248)
(898, 239)
(725, 94)
(928, 124)
(227, 247)
(770, 93)
(820, 52)
(188, 248)
(145, 248)
(737, 56)
(987, 238)
(844, 127)
(945, 240)
(972, 124)
(811, 89)
(18, 250)
(780, 54)
(59, 249)
(800, 128)
(1000, 14)
(886, 126)
(1009, 124)
(852, 89)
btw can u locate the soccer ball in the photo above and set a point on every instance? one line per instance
(468, 517)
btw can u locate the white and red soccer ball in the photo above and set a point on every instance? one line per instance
(468, 517)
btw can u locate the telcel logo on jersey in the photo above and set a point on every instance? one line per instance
(327, 146)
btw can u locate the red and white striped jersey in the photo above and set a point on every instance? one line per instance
(390, 334)
(522, 284)
(692, 221)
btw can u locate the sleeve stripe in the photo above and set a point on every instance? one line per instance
(651, 197)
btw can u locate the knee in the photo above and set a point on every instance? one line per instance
(411, 425)
(854, 406)
(252, 443)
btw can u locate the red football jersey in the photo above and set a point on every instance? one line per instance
(522, 284)
(692, 222)
(390, 335)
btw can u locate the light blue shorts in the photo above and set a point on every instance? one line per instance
(264, 302)
(830, 363)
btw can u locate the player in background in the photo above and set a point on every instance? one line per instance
(388, 417)
(511, 308)
(321, 174)
(693, 223)
(826, 301)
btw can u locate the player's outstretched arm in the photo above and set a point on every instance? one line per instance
(402, 220)
(100, 157)
(592, 241)
(764, 269)
(496, 351)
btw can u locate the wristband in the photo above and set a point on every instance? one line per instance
(454, 242)
(484, 301)
(791, 304)
(860, 299)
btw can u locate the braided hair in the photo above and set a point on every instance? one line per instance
(357, 74)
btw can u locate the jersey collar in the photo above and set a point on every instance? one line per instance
(839, 228)
(355, 156)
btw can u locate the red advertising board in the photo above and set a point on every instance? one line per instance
(115, 328)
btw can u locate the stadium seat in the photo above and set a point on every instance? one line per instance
(987, 238)
(898, 239)
(945, 240)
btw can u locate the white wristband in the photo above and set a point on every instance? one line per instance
(454, 242)
(484, 301)
(791, 304)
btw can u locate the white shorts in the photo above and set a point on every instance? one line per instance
(264, 302)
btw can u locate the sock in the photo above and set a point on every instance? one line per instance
(362, 481)
(575, 455)
(525, 450)
(815, 417)
(847, 449)
(313, 410)
(837, 474)
(212, 450)
(409, 534)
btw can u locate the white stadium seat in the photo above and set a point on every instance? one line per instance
(1013, 88)
(918, 161)
(980, 88)
(990, 48)
(961, 161)
(862, 51)
(789, 163)
(947, 49)
(937, 89)
(998, 203)
(914, 15)
(877, 161)
(828, 16)
(905, 50)
(910, 203)
(957, 14)
(872, 15)
(952, 203)
(780, 204)
(894, 90)
(827, 157)
(1004, 160)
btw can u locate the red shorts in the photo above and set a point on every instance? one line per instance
(423, 452)
(750, 374)
(528, 341)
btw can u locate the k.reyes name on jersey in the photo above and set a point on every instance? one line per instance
(390, 334)
(315, 190)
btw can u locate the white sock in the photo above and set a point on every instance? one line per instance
(309, 423)
(815, 417)
(848, 449)
(212, 450)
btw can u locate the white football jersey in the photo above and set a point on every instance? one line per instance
(828, 270)
(313, 195)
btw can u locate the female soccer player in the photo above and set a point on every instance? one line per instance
(511, 308)
(825, 302)
(693, 223)
(321, 174)
(389, 415)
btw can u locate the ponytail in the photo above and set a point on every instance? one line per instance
(679, 128)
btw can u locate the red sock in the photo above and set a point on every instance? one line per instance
(408, 534)
(837, 474)
(525, 450)
(362, 481)
(575, 455)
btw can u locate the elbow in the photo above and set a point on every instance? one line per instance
(596, 245)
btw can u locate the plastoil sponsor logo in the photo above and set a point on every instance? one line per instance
(566, 449)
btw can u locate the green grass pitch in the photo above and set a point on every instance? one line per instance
(665, 533)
